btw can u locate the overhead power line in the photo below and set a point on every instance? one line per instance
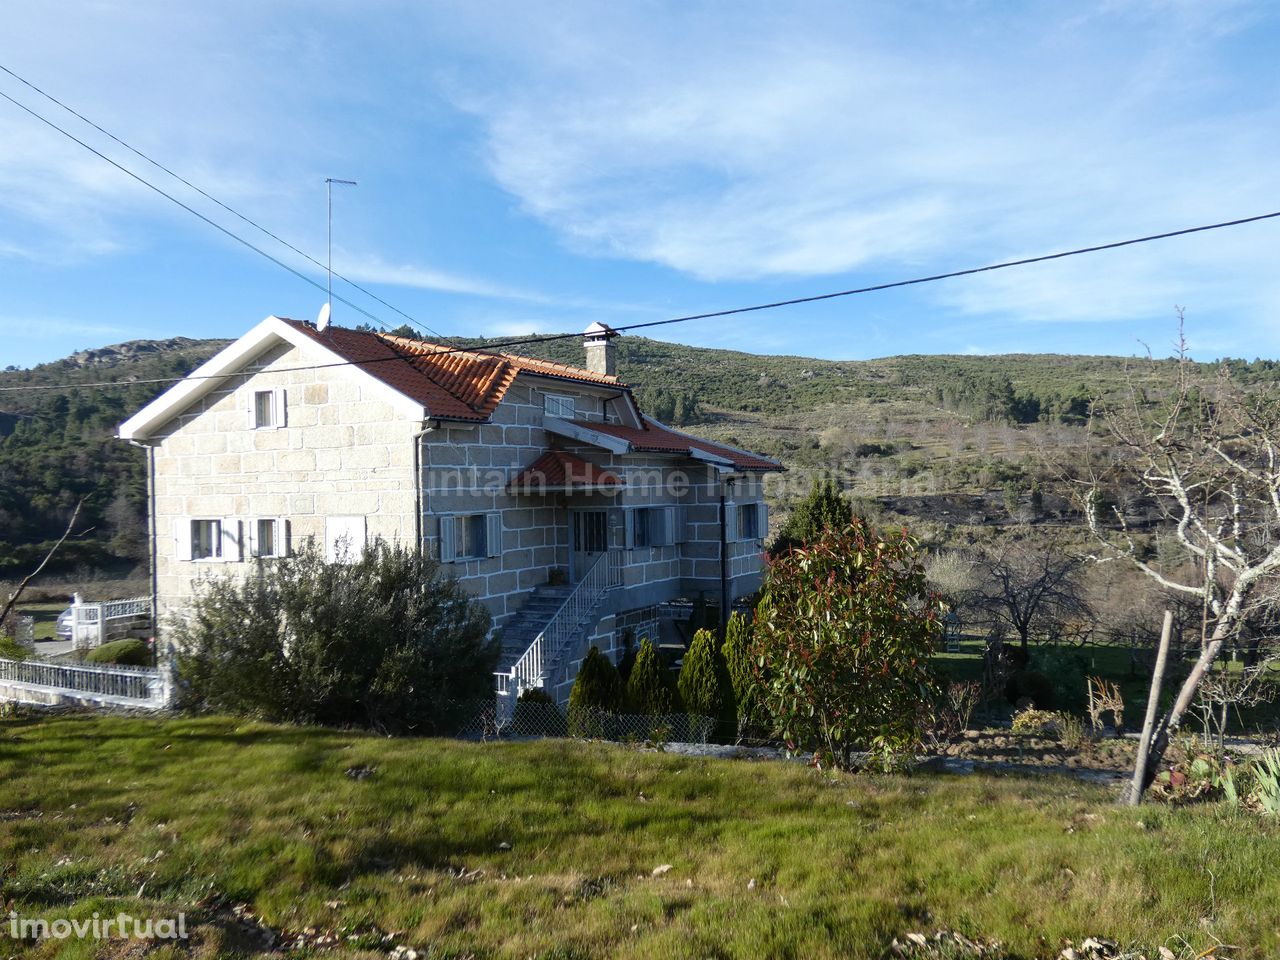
(548, 338)
(208, 196)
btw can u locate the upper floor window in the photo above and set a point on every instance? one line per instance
(344, 539)
(651, 527)
(753, 521)
(558, 405)
(208, 539)
(268, 409)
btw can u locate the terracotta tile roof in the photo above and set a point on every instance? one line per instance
(556, 470)
(451, 384)
(654, 437)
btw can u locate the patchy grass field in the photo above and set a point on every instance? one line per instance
(548, 849)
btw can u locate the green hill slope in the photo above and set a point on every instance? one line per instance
(902, 426)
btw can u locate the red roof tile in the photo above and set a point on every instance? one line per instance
(452, 384)
(654, 437)
(556, 470)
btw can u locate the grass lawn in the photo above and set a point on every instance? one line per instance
(1110, 663)
(151, 817)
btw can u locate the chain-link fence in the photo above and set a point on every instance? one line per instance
(535, 718)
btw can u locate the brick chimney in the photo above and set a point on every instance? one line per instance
(602, 355)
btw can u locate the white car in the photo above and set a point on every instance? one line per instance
(63, 629)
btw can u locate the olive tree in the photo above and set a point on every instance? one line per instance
(387, 640)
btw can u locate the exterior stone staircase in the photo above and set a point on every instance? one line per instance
(539, 644)
(520, 632)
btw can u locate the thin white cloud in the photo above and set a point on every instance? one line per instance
(41, 328)
(366, 268)
(764, 145)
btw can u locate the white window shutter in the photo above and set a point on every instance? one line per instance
(281, 409)
(448, 538)
(344, 538)
(730, 521)
(668, 535)
(493, 534)
(253, 409)
(251, 537)
(182, 538)
(231, 542)
(629, 523)
(762, 520)
(282, 537)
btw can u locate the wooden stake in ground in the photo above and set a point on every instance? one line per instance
(1153, 705)
(17, 594)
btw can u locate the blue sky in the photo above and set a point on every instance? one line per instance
(532, 167)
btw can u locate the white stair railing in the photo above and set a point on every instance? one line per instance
(560, 633)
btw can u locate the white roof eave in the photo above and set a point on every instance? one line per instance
(230, 362)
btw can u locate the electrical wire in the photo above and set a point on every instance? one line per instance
(548, 338)
(208, 196)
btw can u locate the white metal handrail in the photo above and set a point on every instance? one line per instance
(564, 627)
(143, 684)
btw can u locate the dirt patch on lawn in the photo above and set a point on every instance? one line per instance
(1110, 754)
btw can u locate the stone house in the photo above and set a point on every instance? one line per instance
(543, 487)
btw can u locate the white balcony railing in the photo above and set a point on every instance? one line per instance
(560, 635)
(138, 686)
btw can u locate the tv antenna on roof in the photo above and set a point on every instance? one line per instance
(322, 322)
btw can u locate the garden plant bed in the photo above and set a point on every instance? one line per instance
(1002, 747)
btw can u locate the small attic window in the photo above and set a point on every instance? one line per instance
(558, 405)
(268, 409)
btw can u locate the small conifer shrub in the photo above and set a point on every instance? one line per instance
(651, 689)
(705, 686)
(596, 692)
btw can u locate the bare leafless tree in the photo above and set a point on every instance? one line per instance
(13, 598)
(1033, 588)
(1209, 456)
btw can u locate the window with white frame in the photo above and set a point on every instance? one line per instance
(752, 521)
(268, 411)
(344, 539)
(470, 536)
(651, 527)
(268, 537)
(558, 405)
(206, 540)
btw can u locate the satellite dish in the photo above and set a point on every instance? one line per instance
(322, 321)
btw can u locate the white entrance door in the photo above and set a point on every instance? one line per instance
(588, 539)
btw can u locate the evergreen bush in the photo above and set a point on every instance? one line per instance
(706, 688)
(844, 633)
(742, 674)
(386, 641)
(596, 691)
(651, 688)
(129, 653)
(825, 508)
(538, 715)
